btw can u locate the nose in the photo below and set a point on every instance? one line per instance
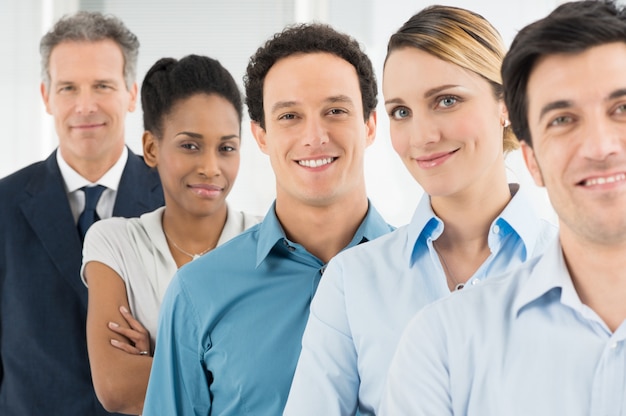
(424, 130)
(208, 165)
(602, 138)
(86, 102)
(315, 132)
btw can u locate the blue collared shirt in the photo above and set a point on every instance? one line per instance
(521, 344)
(369, 293)
(231, 323)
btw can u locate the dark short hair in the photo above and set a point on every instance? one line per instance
(91, 27)
(307, 38)
(571, 28)
(169, 80)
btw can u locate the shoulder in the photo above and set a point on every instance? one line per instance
(374, 250)
(231, 258)
(109, 233)
(111, 226)
(20, 178)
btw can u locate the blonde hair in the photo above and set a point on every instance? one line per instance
(463, 38)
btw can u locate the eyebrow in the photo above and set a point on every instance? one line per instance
(560, 104)
(431, 92)
(201, 137)
(331, 100)
(554, 105)
(437, 90)
(617, 94)
(96, 81)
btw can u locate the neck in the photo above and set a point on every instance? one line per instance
(463, 247)
(190, 234)
(599, 275)
(467, 217)
(93, 168)
(323, 230)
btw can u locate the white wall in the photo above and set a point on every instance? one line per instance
(230, 31)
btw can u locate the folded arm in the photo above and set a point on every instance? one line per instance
(120, 374)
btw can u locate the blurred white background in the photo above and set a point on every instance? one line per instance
(231, 31)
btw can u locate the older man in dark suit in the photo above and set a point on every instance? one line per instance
(88, 63)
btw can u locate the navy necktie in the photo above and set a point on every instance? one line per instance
(89, 215)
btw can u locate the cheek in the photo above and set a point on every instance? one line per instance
(400, 139)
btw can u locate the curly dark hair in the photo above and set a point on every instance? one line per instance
(169, 80)
(307, 38)
(571, 28)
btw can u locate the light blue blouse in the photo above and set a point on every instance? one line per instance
(521, 344)
(369, 293)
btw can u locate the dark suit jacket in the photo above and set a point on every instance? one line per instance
(44, 367)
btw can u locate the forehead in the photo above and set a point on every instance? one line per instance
(581, 80)
(204, 111)
(310, 77)
(412, 71)
(100, 59)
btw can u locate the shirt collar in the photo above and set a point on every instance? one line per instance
(550, 272)
(74, 180)
(271, 232)
(518, 216)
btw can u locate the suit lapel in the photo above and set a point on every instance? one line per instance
(139, 189)
(47, 210)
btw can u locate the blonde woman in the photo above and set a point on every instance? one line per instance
(449, 125)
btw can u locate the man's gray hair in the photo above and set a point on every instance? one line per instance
(91, 27)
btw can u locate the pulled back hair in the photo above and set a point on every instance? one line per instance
(305, 39)
(91, 27)
(571, 28)
(460, 37)
(169, 81)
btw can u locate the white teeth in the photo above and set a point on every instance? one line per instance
(607, 179)
(315, 163)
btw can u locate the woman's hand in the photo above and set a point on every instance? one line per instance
(138, 336)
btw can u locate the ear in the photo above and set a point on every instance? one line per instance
(133, 98)
(259, 134)
(45, 95)
(150, 149)
(531, 163)
(370, 127)
(504, 115)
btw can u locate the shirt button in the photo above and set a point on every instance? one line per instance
(614, 345)
(475, 282)
(496, 229)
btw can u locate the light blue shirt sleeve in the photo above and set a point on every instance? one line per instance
(421, 389)
(178, 381)
(326, 380)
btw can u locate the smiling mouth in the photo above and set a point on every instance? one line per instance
(87, 126)
(602, 180)
(316, 163)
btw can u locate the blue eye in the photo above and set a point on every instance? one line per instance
(399, 113)
(447, 102)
